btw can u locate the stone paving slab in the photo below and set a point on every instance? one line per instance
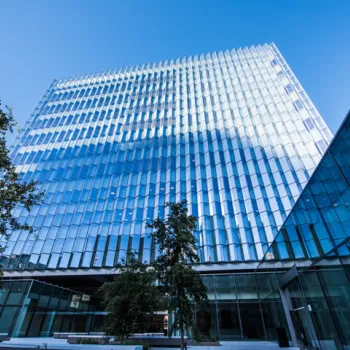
(236, 345)
(250, 345)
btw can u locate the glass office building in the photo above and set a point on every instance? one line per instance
(232, 132)
(307, 267)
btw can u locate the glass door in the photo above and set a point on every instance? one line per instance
(303, 328)
(302, 321)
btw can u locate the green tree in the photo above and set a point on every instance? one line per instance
(13, 191)
(182, 284)
(131, 299)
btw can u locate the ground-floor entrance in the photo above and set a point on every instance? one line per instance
(311, 308)
(312, 321)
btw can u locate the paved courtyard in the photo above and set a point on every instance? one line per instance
(236, 345)
(249, 345)
(58, 344)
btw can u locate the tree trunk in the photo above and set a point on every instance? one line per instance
(182, 332)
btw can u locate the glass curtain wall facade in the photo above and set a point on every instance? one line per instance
(237, 304)
(31, 308)
(232, 132)
(308, 264)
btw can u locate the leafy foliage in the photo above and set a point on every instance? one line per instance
(130, 299)
(177, 247)
(13, 191)
(145, 346)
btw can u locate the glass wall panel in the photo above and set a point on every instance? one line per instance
(4, 291)
(336, 286)
(267, 284)
(57, 323)
(18, 292)
(318, 309)
(301, 318)
(46, 328)
(24, 323)
(8, 316)
(207, 322)
(246, 287)
(229, 321)
(43, 309)
(251, 319)
(209, 283)
(273, 316)
(36, 322)
(225, 287)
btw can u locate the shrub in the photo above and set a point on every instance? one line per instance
(214, 338)
(196, 335)
(146, 346)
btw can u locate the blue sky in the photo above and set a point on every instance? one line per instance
(43, 40)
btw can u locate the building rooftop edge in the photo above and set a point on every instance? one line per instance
(156, 64)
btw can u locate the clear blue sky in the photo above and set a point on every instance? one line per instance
(43, 40)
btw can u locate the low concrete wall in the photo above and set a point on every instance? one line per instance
(62, 335)
(167, 342)
(94, 339)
